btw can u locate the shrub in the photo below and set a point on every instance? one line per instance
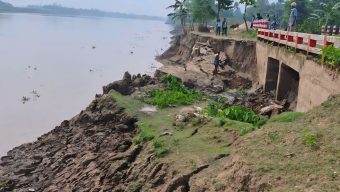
(174, 93)
(214, 107)
(312, 140)
(242, 114)
(331, 55)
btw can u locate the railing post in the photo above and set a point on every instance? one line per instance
(334, 30)
(323, 30)
(329, 32)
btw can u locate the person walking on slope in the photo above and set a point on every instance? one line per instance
(218, 27)
(216, 62)
(292, 17)
(224, 27)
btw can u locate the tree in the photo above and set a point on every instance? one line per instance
(180, 11)
(237, 11)
(202, 10)
(246, 4)
(223, 4)
(327, 11)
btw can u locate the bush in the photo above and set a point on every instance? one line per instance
(174, 93)
(312, 140)
(214, 107)
(239, 113)
(331, 55)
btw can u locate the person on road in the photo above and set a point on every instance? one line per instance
(258, 16)
(224, 27)
(218, 27)
(292, 17)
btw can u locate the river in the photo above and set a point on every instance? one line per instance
(52, 67)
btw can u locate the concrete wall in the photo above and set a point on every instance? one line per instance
(316, 82)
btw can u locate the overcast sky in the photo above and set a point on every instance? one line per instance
(147, 7)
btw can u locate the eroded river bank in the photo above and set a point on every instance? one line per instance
(115, 145)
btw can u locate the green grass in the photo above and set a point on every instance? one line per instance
(251, 34)
(286, 117)
(181, 147)
(301, 149)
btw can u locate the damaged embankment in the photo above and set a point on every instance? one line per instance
(114, 146)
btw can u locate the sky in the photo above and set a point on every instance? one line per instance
(147, 7)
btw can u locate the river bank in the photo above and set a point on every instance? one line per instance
(122, 143)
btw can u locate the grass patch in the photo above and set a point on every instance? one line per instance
(286, 117)
(181, 147)
(146, 134)
(300, 149)
(251, 34)
(312, 139)
(174, 93)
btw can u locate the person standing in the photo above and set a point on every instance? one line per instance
(224, 27)
(292, 17)
(218, 27)
(216, 62)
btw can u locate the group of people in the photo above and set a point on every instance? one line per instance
(221, 27)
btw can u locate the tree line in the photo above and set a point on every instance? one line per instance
(312, 14)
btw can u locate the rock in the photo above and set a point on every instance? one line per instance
(166, 133)
(180, 118)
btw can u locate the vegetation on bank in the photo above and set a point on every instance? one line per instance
(331, 55)
(296, 151)
(291, 138)
(237, 113)
(174, 93)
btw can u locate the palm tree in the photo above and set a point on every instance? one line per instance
(328, 10)
(180, 11)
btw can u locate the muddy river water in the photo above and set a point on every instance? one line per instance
(52, 67)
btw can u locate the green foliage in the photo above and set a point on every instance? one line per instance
(223, 5)
(312, 140)
(247, 129)
(313, 14)
(327, 104)
(214, 107)
(251, 34)
(331, 55)
(202, 10)
(273, 135)
(239, 113)
(286, 117)
(145, 135)
(160, 148)
(174, 93)
(181, 11)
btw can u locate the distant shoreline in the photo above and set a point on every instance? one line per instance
(76, 16)
(56, 10)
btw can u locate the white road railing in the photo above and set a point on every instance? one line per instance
(303, 41)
